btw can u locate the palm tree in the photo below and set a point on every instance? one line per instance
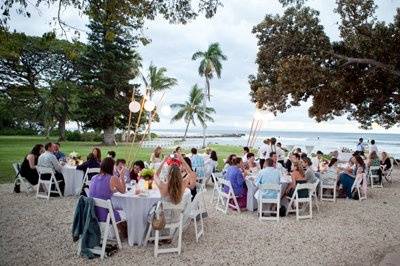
(210, 65)
(157, 80)
(192, 109)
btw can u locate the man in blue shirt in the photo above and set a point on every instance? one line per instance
(59, 155)
(269, 175)
(197, 163)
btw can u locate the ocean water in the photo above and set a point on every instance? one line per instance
(324, 141)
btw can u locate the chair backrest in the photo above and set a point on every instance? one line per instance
(16, 167)
(93, 171)
(270, 186)
(225, 182)
(310, 187)
(373, 170)
(44, 170)
(105, 204)
(167, 205)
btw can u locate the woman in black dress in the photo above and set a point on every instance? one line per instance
(28, 167)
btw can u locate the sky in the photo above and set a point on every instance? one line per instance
(172, 46)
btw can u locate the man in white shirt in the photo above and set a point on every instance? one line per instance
(360, 146)
(263, 152)
(49, 160)
(316, 162)
(373, 147)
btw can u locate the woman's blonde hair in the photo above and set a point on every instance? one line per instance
(175, 184)
(157, 151)
(299, 168)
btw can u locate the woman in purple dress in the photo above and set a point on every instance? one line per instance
(235, 175)
(103, 185)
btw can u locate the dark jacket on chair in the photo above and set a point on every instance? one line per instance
(86, 226)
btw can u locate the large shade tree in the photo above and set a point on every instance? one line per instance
(38, 79)
(192, 109)
(357, 76)
(210, 65)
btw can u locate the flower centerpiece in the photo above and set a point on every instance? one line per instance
(74, 158)
(147, 175)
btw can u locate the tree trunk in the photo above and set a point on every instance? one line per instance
(61, 128)
(206, 89)
(186, 130)
(109, 137)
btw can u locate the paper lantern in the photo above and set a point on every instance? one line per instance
(134, 107)
(258, 115)
(149, 106)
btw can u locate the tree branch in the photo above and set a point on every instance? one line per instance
(368, 61)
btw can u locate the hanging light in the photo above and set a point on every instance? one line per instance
(258, 115)
(149, 106)
(134, 107)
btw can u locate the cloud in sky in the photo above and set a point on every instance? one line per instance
(173, 45)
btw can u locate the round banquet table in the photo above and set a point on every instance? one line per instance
(252, 203)
(136, 209)
(73, 180)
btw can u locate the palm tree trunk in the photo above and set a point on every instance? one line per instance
(186, 130)
(206, 89)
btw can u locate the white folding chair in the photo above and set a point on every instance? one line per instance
(201, 179)
(261, 200)
(171, 225)
(224, 198)
(89, 173)
(215, 177)
(328, 182)
(305, 201)
(360, 184)
(197, 212)
(47, 184)
(19, 179)
(374, 177)
(105, 228)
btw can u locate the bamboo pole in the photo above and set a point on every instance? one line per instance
(251, 132)
(136, 129)
(258, 128)
(130, 116)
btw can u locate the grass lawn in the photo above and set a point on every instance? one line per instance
(14, 148)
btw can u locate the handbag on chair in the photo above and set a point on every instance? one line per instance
(158, 221)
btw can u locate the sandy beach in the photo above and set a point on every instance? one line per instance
(347, 232)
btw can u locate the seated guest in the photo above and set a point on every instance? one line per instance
(347, 179)
(91, 162)
(178, 149)
(303, 155)
(28, 166)
(235, 176)
(59, 155)
(268, 175)
(373, 159)
(251, 164)
(49, 160)
(97, 154)
(111, 154)
(293, 158)
(386, 164)
(104, 185)
(298, 151)
(246, 150)
(174, 188)
(309, 172)
(193, 189)
(134, 173)
(120, 165)
(207, 153)
(331, 172)
(316, 162)
(229, 161)
(296, 175)
(274, 158)
(197, 163)
(156, 156)
(210, 164)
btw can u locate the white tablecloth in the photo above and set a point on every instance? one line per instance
(136, 209)
(73, 180)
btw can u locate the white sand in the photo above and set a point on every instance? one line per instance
(347, 232)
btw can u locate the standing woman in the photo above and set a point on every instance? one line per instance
(156, 156)
(28, 166)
